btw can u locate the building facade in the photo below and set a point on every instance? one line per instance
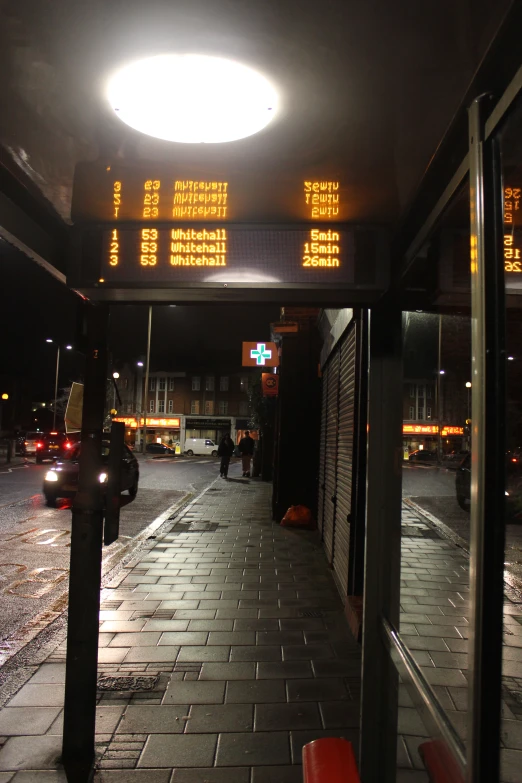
(183, 404)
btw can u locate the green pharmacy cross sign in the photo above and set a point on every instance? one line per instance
(261, 354)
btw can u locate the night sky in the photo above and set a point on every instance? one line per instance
(34, 306)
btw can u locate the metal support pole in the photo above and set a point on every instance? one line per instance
(56, 386)
(145, 391)
(86, 556)
(439, 394)
(487, 452)
(383, 547)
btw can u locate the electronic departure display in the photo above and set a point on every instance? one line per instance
(231, 254)
(153, 227)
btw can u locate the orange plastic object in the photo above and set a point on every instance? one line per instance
(298, 516)
(438, 760)
(329, 760)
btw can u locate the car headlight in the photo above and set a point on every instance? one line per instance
(51, 475)
(506, 493)
(102, 478)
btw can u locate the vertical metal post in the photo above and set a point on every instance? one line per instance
(383, 547)
(439, 394)
(86, 556)
(145, 391)
(56, 385)
(487, 453)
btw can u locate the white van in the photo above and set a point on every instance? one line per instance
(200, 446)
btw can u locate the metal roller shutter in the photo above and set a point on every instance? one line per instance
(322, 450)
(330, 461)
(341, 546)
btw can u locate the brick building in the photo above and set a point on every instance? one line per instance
(184, 404)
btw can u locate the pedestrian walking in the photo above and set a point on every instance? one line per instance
(246, 447)
(225, 451)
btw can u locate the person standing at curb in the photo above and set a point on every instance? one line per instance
(225, 451)
(246, 447)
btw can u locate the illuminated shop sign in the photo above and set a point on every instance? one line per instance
(452, 431)
(431, 429)
(133, 424)
(260, 355)
(420, 429)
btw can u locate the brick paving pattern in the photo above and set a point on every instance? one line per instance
(224, 649)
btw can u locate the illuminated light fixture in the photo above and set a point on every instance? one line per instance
(139, 364)
(48, 340)
(115, 375)
(468, 385)
(442, 372)
(68, 347)
(510, 358)
(5, 396)
(192, 98)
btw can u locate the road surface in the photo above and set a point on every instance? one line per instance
(35, 539)
(433, 489)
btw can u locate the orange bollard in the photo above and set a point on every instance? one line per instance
(329, 760)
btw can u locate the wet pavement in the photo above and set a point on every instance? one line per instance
(34, 566)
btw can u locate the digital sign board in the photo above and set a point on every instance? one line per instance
(230, 254)
(157, 228)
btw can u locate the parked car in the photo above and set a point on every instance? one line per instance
(200, 446)
(159, 448)
(423, 455)
(52, 445)
(513, 486)
(61, 481)
(30, 441)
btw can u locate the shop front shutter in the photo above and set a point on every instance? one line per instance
(330, 457)
(341, 546)
(322, 452)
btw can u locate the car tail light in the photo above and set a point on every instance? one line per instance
(26, 442)
(39, 445)
(514, 459)
(67, 445)
(53, 433)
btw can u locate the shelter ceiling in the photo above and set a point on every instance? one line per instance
(368, 89)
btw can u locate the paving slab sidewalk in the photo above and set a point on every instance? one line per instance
(223, 649)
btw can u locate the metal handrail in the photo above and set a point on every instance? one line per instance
(424, 690)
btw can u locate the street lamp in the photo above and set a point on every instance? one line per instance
(67, 348)
(5, 397)
(115, 376)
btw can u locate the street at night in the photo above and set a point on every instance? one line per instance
(432, 489)
(36, 540)
(261, 391)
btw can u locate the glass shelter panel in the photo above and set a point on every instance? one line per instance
(511, 732)
(434, 598)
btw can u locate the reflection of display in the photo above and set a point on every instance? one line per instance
(512, 254)
(323, 197)
(194, 200)
(151, 198)
(234, 254)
